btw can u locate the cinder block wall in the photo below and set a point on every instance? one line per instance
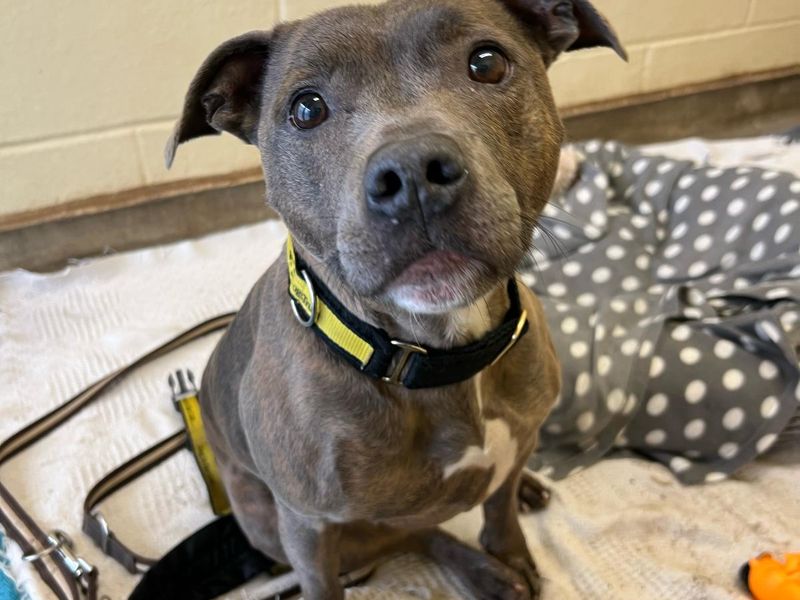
(91, 89)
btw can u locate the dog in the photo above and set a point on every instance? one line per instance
(409, 148)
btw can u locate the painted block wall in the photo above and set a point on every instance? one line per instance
(91, 89)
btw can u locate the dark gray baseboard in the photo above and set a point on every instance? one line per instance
(49, 246)
(744, 109)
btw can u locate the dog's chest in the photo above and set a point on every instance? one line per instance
(497, 454)
(427, 464)
(497, 451)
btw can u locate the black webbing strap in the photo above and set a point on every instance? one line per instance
(211, 562)
(217, 560)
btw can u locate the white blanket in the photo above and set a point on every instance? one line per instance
(621, 529)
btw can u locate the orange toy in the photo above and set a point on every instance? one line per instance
(767, 578)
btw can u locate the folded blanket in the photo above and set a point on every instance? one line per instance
(673, 294)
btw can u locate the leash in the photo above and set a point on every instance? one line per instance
(209, 563)
(184, 396)
(95, 524)
(69, 576)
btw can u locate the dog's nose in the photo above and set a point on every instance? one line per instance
(426, 173)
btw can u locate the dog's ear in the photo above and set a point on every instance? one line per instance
(565, 25)
(225, 94)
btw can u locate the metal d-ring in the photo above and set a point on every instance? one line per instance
(55, 540)
(312, 315)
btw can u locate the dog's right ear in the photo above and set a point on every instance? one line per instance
(565, 25)
(225, 94)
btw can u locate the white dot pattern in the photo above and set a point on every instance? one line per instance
(657, 405)
(695, 391)
(642, 266)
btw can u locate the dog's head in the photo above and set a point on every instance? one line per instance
(409, 146)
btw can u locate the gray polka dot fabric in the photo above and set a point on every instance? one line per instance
(673, 294)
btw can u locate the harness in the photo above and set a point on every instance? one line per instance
(218, 558)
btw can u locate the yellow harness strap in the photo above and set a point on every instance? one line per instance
(324, 318)
(189, 407)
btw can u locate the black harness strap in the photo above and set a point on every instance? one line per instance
(209, 563)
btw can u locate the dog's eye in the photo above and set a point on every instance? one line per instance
(488, 65)
(308, 111)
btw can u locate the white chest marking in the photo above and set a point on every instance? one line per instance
(499, 450)
(469, 323)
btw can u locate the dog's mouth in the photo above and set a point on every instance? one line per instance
(439, 281)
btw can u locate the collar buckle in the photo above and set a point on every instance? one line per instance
(523, 318)
(406, 350)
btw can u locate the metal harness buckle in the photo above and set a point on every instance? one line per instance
(60, 544)
(406, 350)
(105, 532)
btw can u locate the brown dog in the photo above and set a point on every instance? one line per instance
(409, 148)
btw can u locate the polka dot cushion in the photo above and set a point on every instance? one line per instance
(673, 294)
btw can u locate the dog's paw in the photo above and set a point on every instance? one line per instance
(532, 495)
(792, 136)
(490, 579)
(524, 566)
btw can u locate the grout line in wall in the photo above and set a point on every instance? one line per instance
(567, 58)
(725, 33)
(58, 139)
(143, 172)
(746, 24)
(649, 45)
(90, 132)
(124, 127)
(751, 12)
(647, 69)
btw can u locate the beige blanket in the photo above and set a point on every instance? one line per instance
(621, 529)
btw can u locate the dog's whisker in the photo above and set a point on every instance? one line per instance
(557, 206)
(553, 239)
(569, 224)
(487, 316)
(536, 268)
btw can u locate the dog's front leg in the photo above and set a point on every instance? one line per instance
(312, 547)
(502, 535)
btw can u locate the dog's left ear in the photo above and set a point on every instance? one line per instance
(225, 94)
(565, 25)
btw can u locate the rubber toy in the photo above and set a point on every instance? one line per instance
(769, 578)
